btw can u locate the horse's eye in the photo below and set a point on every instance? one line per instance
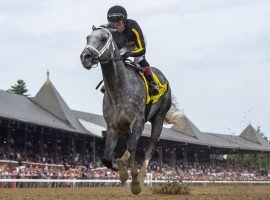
(103, 39)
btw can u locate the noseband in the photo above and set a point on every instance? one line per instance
(104, 48)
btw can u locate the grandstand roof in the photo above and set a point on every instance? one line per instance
(49, 99)
(185, 126)
(49, 109)
(249, 133)
(22, 108)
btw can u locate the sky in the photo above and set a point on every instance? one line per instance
(215, 53)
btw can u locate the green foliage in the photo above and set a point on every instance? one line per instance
(19, 88)
(250, 160)
(172, 188)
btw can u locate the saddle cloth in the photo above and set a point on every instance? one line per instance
(162, 87)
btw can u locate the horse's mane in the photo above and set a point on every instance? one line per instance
(119, 39)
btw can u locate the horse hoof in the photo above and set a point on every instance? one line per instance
(135, 187)
(123, 175)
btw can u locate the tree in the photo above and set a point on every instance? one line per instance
(19, 88)
(250, 159)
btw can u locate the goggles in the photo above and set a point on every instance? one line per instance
(115, 17)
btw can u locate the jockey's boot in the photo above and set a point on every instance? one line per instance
(153, 87)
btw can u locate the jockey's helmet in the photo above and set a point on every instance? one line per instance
(117, 14)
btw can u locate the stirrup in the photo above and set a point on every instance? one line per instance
(153, 89)
(102, 89)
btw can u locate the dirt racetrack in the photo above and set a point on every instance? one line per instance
(231, 192)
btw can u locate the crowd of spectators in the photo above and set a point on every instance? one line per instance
(41, 171)
(206, 172)
(31, 151)
(31, 164)
(191, 171)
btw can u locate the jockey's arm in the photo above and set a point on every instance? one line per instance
(139, 41)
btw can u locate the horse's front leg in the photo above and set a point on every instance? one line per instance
(123, 173)
(132, 147)
(110, 143)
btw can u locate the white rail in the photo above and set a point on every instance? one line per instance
(118, 181)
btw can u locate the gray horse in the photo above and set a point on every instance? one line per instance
(124, 104)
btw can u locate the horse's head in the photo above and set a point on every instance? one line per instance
(99, 47)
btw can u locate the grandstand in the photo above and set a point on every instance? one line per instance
(43, 129)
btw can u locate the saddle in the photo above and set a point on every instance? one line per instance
(150, 99)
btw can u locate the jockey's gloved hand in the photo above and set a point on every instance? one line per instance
(125, 56)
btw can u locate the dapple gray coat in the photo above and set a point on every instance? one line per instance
(124, 104)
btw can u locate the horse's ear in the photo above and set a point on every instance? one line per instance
(94, 27)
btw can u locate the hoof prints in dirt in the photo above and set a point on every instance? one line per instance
(204, 192)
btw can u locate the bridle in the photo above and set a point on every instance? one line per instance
(104, 48)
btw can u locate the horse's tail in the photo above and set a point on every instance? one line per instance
(174, 113)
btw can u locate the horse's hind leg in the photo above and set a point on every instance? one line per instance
(132, 147)
(110, 143)
(157, 124)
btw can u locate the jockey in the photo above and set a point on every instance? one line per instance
(134, 42)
